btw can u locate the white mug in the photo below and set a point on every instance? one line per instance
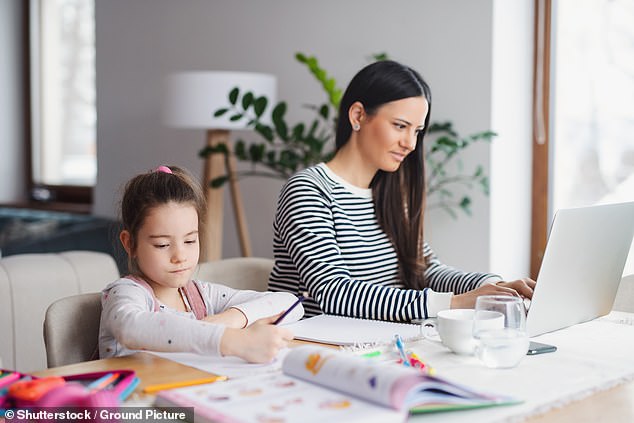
(455, 328)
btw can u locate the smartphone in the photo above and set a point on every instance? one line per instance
(535, 348)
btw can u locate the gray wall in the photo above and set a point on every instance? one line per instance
(12, 77)
(455, 45)
(140, 41)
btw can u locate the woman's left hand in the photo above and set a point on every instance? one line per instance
(524, 286)
(521, 287)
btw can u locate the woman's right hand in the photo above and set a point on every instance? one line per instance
(468, 299)
(259, 343)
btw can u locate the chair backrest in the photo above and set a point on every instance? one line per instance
(239, 273)
(71, 329)
(625, 295)
(29, 283)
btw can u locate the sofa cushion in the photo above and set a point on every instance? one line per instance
(29, 283)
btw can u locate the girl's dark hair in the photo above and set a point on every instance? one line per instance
(399, 197)
(156, 188)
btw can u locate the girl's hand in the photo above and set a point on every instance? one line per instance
(259, 343)
(232, 318)
(519, 288)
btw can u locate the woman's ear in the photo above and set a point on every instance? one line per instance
(126, 240)
(356, 114)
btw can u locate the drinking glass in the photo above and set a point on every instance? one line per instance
(502, 347)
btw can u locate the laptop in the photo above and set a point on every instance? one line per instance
(582, 266)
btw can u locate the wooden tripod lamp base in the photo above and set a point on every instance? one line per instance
(216, 166)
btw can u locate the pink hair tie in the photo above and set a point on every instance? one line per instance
(164, 169)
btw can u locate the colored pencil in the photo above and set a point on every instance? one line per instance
(163, 386)
(295, 304)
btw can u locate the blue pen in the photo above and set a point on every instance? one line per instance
(299, 300)
(401, 349)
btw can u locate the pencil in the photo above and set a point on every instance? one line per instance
(299, 300)
(401, 350)
(172, 385)
(103, 381)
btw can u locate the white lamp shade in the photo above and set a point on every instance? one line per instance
(192, 98)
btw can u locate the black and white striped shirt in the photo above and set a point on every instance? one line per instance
(327, 241)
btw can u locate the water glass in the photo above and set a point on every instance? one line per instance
(502, 347)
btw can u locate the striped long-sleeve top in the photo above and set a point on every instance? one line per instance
(328, 242)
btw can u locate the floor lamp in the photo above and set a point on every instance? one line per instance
(190, 102)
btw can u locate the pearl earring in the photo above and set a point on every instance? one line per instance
(356, 127)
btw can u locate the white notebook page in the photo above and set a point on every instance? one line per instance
(339, 330)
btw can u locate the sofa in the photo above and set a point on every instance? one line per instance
(29, 283)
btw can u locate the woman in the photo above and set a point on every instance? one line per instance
(350, 231)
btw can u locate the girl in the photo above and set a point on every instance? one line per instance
(350, 231)
(158, 307)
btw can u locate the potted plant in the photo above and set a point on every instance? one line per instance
(287, 148)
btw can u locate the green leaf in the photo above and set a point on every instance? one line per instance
(298, 131)
(324, 111)
(313, 128)
(240, 150)
(335, 98)
(289, 159)
(220, 112)
(484, 183)
(300, 57)
(270, 157)
(216, 149)
(278, 111)
(236, 117)
(247, 100)
(264, 130)
(281, 128)
(442, 127)
(233, 95)
(256, 151)
(259, 105)
(380, 56)
(277, 115)
(219, 181)
(447, 142)
(465, 205)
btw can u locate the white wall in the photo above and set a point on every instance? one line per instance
(12, 188)
(511, 153)
(140, 41)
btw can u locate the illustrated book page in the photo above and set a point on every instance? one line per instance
(322, 384)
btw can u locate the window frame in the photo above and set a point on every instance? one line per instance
(541, 134)
(60, 197)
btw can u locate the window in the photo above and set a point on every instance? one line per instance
(593, 146)
(63, 110)
(592, 98)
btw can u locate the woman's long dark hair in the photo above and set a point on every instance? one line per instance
(399, 197)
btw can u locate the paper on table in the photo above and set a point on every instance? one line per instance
(339, 330)
(232, 367)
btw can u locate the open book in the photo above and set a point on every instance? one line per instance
(322, 384)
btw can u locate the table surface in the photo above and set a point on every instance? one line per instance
(612, 405)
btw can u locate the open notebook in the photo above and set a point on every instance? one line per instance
(339, 330)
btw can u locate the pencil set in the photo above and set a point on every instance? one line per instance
(105, 389)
